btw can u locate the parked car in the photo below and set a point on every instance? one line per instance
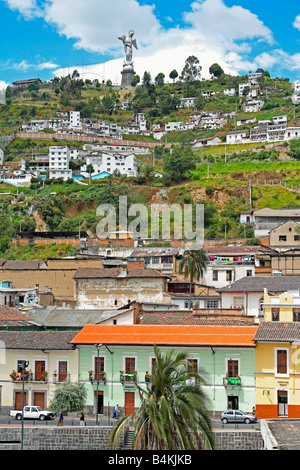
(237, 416)
(32, 412)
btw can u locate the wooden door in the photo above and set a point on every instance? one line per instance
(18, 398)
(39, 399)
(62, 371)
(39, 369)
(129, 403)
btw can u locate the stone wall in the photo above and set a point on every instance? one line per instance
(96, 438)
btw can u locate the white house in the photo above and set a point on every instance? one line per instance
(125, 164)
(187, 102)
(292, 133)
(297, 86)
(75, 122)
(252, 106)
(199, 143)
(229, 92)
(244, 121)
(59, 158)
(236, 137)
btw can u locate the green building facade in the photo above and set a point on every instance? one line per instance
(111, 372)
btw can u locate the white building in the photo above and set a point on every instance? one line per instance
(229, 92)
(292, 133)
(297, 86)
(253, 106)
(109, 163)
(59, 158)
(236, 137)
(1, 157)
(75, 122)
(187, 102)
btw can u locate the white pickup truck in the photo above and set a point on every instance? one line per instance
(32, 412)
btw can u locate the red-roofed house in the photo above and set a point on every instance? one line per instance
(126, 354)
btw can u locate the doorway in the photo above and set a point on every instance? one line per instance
(233, 403)
(18, 400)
(282, 400)
(39, 399)
(99, 403)
(129, 403)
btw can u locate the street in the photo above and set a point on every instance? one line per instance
(105, 421)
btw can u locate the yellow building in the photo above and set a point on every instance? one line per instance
(52, 360)
(277, 357)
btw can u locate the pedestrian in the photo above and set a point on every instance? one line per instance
(117, 412)
(82, 422)
(61, 419)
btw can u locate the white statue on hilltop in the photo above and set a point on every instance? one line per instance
(128, 42)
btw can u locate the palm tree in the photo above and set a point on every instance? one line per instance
(173, 414)
(193, 265)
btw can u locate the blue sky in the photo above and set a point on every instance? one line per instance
(44, 38)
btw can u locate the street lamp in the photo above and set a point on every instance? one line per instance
(98, 346)
(24, 366)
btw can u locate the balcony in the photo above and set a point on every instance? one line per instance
(128, 378)
(61, 378)
(100, 378)
(232, 382)
(29, 377)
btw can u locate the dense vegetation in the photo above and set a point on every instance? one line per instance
(217, 177)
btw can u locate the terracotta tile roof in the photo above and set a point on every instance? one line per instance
(278, 331)
(108, 273)
(22, 264)
(37, 340)
(208, 335)
(185, 318)
(11, 317)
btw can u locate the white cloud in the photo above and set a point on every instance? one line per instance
(47, 65)
(213, 32)
(296, 23)
(28, 8)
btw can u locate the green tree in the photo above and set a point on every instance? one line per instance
(294, 150)
(173, 75)
(68, 398)
(160, 79)
(135, 80)
(216, 70)
(178, 163)
(173, 414)
(191, 70)
(193, 265)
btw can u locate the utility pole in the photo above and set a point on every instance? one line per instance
(250, 191)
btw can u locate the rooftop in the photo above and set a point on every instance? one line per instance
(258, 284)
(183, 335)
(278, 331)
(38, 340)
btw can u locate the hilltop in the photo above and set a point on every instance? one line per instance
(219, 178)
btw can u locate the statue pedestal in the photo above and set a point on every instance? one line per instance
(127, 75)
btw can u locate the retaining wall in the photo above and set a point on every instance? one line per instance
(96, 438)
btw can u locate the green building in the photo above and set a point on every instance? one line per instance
(113, 358)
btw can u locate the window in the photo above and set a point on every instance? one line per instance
(99, 367)
(296, 314)
(212, 304)
(296, 238)
(215, 275)
(62, 371)
(249, 272)
(281, 361)
(39, 368)
(275, 314)
(129, 366)
(282, 238)
(186, 304)
(228, 276)
(192, 365)
(232, 368)
(238, 302)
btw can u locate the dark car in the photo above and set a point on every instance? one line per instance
(237, 416)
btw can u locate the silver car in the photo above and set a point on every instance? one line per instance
(237, 416)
